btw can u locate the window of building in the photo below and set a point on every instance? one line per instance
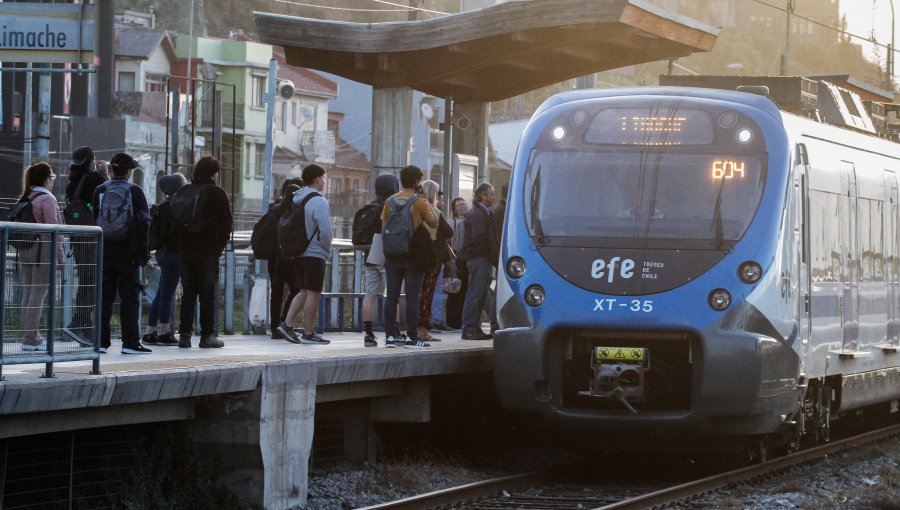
(282, 116)
(260, 170)
(258, 90)
(154, 82)
(295, 116)
(334, 185)
(126, 81)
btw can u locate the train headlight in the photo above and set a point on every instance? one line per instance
(719, 299)
(744, 135)
(750, 272)
(534, 295)
(558, 133)
(515, 268)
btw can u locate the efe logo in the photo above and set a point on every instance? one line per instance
(601, 268)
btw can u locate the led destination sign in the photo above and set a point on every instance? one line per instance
(633, 126)
(727, 169)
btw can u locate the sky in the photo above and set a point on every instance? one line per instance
(870, 17)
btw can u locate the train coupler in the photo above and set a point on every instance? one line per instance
(619, 373)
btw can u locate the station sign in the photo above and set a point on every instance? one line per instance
(47, 33)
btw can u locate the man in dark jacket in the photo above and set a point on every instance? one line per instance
(282, 272)
(481, 250)
(83, 181)
(122, 256)
(200, 253)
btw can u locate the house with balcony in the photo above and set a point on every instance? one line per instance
(238, 68)
(347, 181)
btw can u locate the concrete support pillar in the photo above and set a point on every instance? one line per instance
(470, 135)
(391, 131)
(264, 437)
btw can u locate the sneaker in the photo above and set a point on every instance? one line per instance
(276, 335)
(370, 341)
(287, 333)
(149, 339)
(477, 335)
(415, 343)
(440, 327)
(210, 342)
(135, 349)
(166, 339)
(72, 336)
(314, 339)
(103, 350)
(391, 342)
(184, 340)
(35, 347)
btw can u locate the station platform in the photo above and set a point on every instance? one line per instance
(256, 395)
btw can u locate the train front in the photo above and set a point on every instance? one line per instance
(645, 275)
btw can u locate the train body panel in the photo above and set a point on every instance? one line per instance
(635, 213)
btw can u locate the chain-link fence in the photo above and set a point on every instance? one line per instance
(50, 277)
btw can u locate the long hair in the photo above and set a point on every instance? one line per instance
(35, 175)
(431, 190)
(480, 191)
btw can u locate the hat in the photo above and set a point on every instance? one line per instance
(169, 184)
(123, 161)
(81, 156)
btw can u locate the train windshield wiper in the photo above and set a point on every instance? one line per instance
(535, 196)
(717, 220)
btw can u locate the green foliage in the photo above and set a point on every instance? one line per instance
(170, 472)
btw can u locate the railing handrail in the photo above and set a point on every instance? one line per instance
(45, 227)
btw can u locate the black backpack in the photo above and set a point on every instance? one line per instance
(396, 236)
(366, 223)
(186, 207)
(264, 239)
(292, 237)
(23, 212)
(159, 228)
(77, 211)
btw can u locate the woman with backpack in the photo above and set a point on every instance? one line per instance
(159, 327)
(434, 251)
(36, 259)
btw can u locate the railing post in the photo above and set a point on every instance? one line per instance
(248, 275)
(51, 326)
(229, 289)
(357, 288)
(4, 247)
(98, 301)
(68, 283)
(335, 286)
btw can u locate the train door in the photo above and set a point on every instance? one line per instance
(801, 190)
(850, 265)
(892, 263)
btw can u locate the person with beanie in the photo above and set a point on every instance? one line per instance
(159, 328)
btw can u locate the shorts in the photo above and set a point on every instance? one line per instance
(310, 273)
(376, 281)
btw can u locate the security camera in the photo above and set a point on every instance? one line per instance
(462, 122)
(285, 89)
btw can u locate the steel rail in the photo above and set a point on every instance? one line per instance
(700, 487)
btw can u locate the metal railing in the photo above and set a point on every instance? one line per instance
(51, 276)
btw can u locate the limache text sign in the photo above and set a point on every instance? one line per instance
(49, 33)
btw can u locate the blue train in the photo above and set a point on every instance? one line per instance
(696, 261)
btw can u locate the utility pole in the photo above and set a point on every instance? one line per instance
(787, 37)
(890, 53)
(413, 9)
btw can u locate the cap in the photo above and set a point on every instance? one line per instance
(169, 184)
(82, 155)
(123, 161)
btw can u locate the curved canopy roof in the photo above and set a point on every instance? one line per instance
(492, 53)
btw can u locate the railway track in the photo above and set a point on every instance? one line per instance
(552, 489)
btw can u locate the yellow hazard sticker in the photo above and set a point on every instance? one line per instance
(619, 353)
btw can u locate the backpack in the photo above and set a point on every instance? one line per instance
(366, 223)
(292, 237)
(158, 235)
(23, 212)
(264, 239)
(396, 236)
(116, 213)
(77, 211)
(186, 207)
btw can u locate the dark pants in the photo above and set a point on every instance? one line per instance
(453, 313)
(479, 282)
(169, 273)
(282, 272)
(397, 275)
(199, 276)
(120, 276)
(86, 266)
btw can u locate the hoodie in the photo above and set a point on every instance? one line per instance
(318, 216)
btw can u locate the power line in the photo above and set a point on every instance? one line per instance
(332, 8)
(411, 8)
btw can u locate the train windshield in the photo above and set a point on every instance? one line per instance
(639, 196)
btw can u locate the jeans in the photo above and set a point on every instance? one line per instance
(170, 272)
(437, 304)
(479, 282)
(199, 276)
(120, 276)
(397, 275)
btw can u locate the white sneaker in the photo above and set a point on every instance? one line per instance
(35, 347)
(391, 342)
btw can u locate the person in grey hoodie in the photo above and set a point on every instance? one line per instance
(311, 266)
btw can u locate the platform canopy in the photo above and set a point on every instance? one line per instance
(492, 53)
